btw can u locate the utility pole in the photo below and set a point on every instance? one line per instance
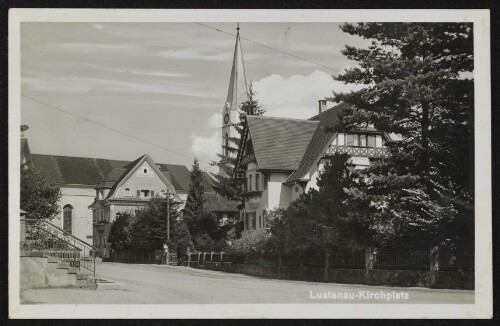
(168, 214)
(168, 226)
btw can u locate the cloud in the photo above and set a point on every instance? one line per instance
(298, 95)
(138, 72)
(215, 121)
(196, 53)
(206, 146)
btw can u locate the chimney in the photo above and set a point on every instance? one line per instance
(322, 105)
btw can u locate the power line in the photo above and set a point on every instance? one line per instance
(271, 48)
(110, 128)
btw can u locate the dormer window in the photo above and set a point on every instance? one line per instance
(359, 140)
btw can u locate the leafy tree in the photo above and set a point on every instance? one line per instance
(118, 233)
(149, 227)
(39, 197)
(416, 87)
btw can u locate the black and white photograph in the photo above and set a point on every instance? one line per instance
(235, 164)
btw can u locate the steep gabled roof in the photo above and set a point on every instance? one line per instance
(218, 203)
(132, 167)
(319, 141)
(279, 143)
(90, 172)
(110, 179)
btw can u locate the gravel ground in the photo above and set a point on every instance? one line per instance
(156, 284)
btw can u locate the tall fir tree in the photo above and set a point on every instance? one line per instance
(225, 184)
(418, 87)
(195, 203)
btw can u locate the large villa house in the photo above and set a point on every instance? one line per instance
(281, 157)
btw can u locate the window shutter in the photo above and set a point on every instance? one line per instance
(138, 193)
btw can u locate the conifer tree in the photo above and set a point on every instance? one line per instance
(417, 87)
(195, 203)
(225, 184)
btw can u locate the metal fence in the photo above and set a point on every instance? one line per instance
(394, 260)
(343, 259)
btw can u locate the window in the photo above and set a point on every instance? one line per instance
(371, 141)
(68, 218)
(257, 177)
(362, 140)
(127, 192)
(350, 140)
(341, 139)
(379, 141)
(249, 182)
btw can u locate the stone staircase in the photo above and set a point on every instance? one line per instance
(39, 270)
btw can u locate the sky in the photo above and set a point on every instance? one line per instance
(165, 83)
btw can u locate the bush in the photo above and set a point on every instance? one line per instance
(251, 241)
(204, 243)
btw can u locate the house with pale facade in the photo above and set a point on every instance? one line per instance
(281, 158)
(91, 196)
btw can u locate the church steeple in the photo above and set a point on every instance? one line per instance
(230, 112)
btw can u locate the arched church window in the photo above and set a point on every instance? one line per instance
(68, 218)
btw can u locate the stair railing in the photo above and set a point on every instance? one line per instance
(80, 250)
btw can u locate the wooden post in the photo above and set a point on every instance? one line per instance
(434, 265)
(23, 230)
(279, 265)
(370, 261)
(327, 264)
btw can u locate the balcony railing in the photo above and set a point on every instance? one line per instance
(358, 151)
(247, 159)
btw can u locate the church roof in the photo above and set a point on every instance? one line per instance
(279, 143)
(218, 203)
(86, 171)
